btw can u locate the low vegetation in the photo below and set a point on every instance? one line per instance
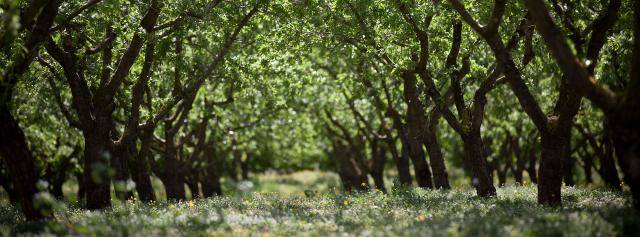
(297, 211)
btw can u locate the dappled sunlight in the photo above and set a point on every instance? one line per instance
(319, 118)
(405, 211)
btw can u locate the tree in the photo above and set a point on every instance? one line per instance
(36, 19)
(621, 107)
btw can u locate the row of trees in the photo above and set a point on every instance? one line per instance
(113, 92)
(118, 113)
(451, 77)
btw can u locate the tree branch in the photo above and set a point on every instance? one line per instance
(570, 65)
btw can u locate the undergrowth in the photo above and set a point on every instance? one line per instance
(401, 212)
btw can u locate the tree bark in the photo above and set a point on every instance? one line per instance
(191, 180)
(96, 174)
(173, 177)
(121, 165)
(352, 176)
(568, 164)
(403, 167)
(430, 140)
(625, 133)
(20, 163)
(415, 129)
(235, 162)
(211, 184)
(8, 188)
(401, 157)
(550, 173)
(588, 168)
(622, 109)
(531, 166)
(378, 153)
(13, 144)
(244, 166)
(401, 162)
(140, 169)
(608, 170)
(141, 177)
(81, 190)
(474, 154)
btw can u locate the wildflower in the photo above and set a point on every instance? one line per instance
(265, 234)
(190, 203)
(421, 218)
(345, 202)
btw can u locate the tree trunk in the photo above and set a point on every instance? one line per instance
(378, 160)
(420, 165)
(244, 166)
(401, 157)
(140, 175)
(357, 175)
(172, 170)
(378, 180)
(415, 128)
(234, 164)
(13, 143)
(173, 179)
(567, 167)
(520, 166)
(502, 176)
(588, 168)
(192, 182)
(140, 169)
(8, 187)
(440, 175)
(608, 171)
(517, 171)
(56, 186)
(120, 163)
(81, 190)
(625, 133)
(20, 162)
(352, 176)
(211, 176)
(517, 175)
(96, 171)
(531, 166)
(211, 183)
(550, 173)
(401, 161)
(474, 154)
(556, 146)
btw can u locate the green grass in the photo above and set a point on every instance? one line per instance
(322, 211)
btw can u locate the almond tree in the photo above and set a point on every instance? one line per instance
(621, 108)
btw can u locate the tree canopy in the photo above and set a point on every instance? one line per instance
(446, 93)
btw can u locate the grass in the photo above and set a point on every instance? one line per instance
(323, 211)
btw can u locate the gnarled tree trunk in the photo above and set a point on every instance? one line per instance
(430, 140)
(474, 154)
(20, 163)
(378, 153)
